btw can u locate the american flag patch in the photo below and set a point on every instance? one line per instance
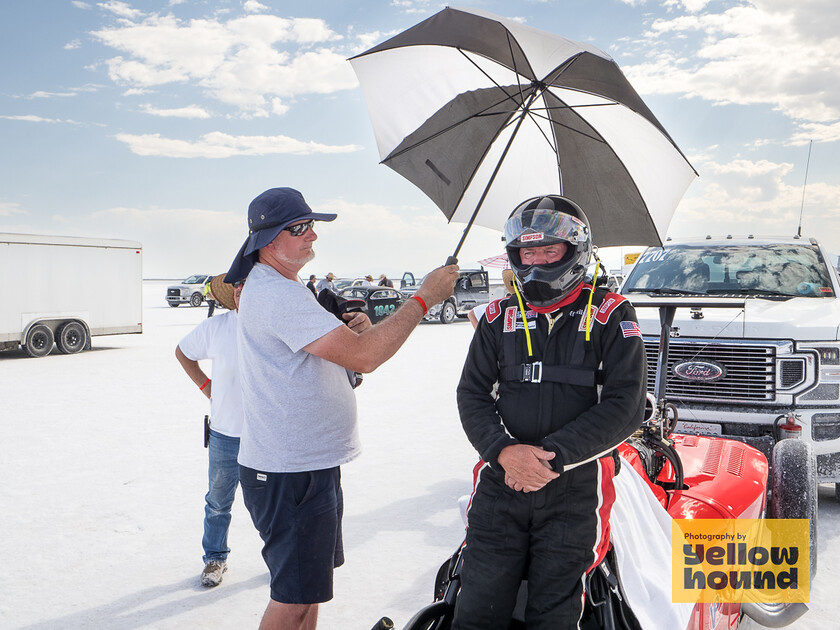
(630, 329)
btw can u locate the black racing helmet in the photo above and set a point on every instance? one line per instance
(547, 220)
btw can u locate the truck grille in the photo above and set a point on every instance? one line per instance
(750, 371)
(173, 292)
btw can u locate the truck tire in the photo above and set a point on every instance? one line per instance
(793, 487)
(447, 313)
(71, 338)
(174, 304)
(39, 341)
(195, 299)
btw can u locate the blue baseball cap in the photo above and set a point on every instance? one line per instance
(268, 214)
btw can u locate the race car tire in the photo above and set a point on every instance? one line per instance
(793, 487)
(195, 299)
(447, 313)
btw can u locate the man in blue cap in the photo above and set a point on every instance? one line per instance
(297, 370)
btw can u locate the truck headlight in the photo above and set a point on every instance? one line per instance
(827, 387)
(828, 353)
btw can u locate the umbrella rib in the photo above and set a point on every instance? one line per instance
(496, 83)
(520, 118)
(484, 113)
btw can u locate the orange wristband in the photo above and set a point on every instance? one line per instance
(205, 385)
(422, 304)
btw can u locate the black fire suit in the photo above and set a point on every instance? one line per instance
(576, 398)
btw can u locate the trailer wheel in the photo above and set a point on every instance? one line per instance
(39, 341)
(447, 313)
(195, 299)
(793, 487)
(72, 338)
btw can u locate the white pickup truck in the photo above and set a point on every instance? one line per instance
(754, 348)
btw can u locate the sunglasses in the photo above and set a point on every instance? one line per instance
(301, 228)
(236, 285)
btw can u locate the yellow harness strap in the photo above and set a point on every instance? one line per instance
(589, 303)
(524, 321)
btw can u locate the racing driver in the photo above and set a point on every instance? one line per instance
(570, 364)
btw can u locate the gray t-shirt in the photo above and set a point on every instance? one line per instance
(300, 410)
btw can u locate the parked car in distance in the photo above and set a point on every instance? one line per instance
(471, 289)
(190, 291)
(379, 301)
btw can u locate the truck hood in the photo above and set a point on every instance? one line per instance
(748, 318)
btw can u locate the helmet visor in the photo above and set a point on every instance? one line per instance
(533, 228)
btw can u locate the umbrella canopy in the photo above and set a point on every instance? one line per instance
(482, 113)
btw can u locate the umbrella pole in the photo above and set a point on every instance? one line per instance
(453, 259)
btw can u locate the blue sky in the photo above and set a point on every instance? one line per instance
(158, 121)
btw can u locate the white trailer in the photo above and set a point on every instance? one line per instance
(64, 290)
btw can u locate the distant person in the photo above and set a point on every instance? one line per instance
(208, 296)
(215, 340)
(384, 282)
(297, 361)
(327, 283)
(311, 285)
(368, 281)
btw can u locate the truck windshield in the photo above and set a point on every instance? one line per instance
(194, 280)
(779, 270)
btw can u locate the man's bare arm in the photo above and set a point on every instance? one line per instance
(366, 350)
(194, 371)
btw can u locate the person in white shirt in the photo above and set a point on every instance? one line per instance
(215, 339)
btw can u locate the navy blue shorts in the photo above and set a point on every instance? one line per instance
(298, 516)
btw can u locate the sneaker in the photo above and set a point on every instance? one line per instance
(212, 574)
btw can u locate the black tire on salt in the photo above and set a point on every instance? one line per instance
(793, 487)
(39, 341)
(195, 299)
(447, 313)
(71, 338)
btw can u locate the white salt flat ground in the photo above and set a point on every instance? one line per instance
(103, 480)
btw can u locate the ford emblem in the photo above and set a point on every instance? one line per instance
(704, 371)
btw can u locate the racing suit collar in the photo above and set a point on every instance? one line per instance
(569, 299)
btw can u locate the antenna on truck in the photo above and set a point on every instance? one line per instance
(802, 206)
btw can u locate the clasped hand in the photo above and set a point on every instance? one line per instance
(526, 467)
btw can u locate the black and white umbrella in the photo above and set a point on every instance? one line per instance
(481, 113)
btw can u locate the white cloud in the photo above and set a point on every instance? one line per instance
(743, 196)
(252, 6)
(81, 5)
(73, 45)
(42, 94)
(768, 52)
(120, 9)
(692, 6)
(222, 145)
(414, 6)
(818, 132)
(32, 118)
(190, 111)
(8, 209)
(247, 62)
